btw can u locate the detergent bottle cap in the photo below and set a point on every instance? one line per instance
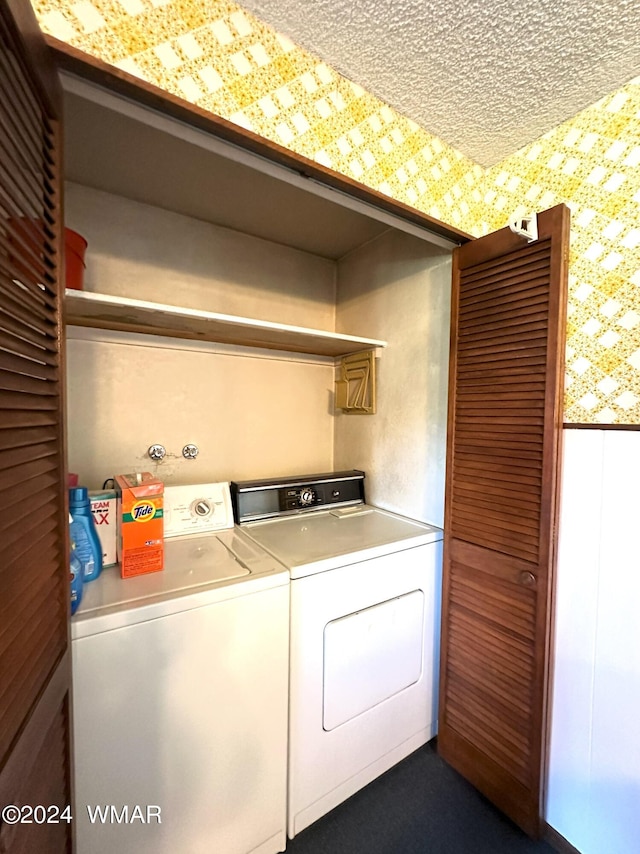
(78, 495)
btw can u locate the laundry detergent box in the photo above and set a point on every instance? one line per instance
(103, 508)
(140, 534)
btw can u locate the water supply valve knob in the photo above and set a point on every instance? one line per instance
(157, 452)
(190, 452)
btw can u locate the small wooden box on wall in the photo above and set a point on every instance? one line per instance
(356, 383)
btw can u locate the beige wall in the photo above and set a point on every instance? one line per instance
(398, 288)
(139, 251)
(251, 413)
(250, 416)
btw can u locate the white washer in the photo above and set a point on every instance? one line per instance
(180, 682)
(365, 593)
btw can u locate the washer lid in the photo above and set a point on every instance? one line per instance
(324, 540)
(211, 564)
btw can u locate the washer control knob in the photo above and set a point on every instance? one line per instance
(307, 496)
(202, 508)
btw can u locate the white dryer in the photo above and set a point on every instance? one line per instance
(365, 592)
(180, 682)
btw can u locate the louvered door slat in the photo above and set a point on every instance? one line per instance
(37, 505)
(526, 513)
(13, 540)
(21, 189)
(23, 114)
(481, 447)
(22, 264)
(471, 363)
(497, 611)
(478, 469)
(496, 522)
(501, 593)
(18, 344)
(494, 376)
(484, 444)
(10, 459)
(34, 571)
(526, 316)
(508, 655)
(17, 131)
(469, 351)
(10, 381)
(23, 436)
(507, 432)
(43, 547)
(528, 272)
(33, 403)
(502, 481)
(479, 458)
(46, 481)
(503, 335)
(31, 470)
(30, 368)
(494, 266)
(27, 316)
(501, 315)
(33, 295)
(11, 632)
(22, 286)
(498, 683)
(477, 392)
(478, 455)
(498, 303)
(513, 737)
(488, 272)
(18, 174)
(21, 329)
(469, 486)
(502, 409)
(502, 458)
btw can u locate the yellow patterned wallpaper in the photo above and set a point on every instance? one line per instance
(592, 164)
(218, 56)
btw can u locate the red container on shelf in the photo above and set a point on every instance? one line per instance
(74, 248)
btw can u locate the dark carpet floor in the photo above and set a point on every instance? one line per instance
(421, 806)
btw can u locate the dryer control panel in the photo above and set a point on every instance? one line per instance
(265, 499)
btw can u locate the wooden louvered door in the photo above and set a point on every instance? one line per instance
(505, 413)
(34, 569)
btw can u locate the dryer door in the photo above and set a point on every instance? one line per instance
(371, 655)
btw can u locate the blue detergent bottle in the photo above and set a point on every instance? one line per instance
(83, 533)
(76, 574)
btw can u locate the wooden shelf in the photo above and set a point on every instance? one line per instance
(102, 311)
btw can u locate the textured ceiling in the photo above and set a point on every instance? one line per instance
(486, 76)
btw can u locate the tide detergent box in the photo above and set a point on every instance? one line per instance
(140, 533)
(103, 508)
